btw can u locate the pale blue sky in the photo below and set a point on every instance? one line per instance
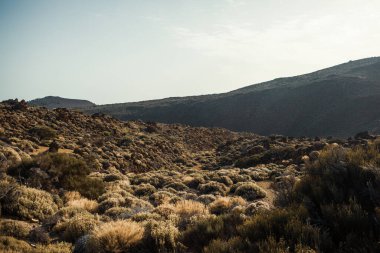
(120, 51)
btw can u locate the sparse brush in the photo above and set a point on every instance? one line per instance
(89, 205)
(115, 236)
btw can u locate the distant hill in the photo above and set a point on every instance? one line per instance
(58, 102)
(338, 101)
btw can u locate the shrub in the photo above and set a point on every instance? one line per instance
(89, 205)
(162, 236)
(29, 203)
(144, 190)
(200, 233)
(206, 198)
(188, 208)
(194, 182)
(250, 191)
(165, 210)
(110, 203)
(177, 186)
(71, 195)
(60, 247)
(116, 236)
(55, 171)
(213, 187)
(255, 207)
(226, 180)
(232, 245)
(75, 227)
(145, 217)
(118, 213)
(225, 204)
(43, 132)
(39, 235)
(288, 224)
(15, 228)
(163, 197)
(10, 244)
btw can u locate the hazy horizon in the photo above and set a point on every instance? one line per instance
(125, 51)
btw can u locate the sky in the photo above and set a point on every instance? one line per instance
(123, 51)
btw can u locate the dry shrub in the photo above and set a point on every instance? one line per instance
(177, 186)
(60, 247)
(232, 245)
(64, 214)
(29, 203)
(39, 235)
(206, 198)
(118, 213)
(110, 203)
(71, 195)
(10, 244)
(225, 204)
(162, 197)
(15, 228)
(213, 188)
(194, 181)
(75, 227)
(250, 191)
(255, 207)
(144, 190)
(116, 236)
(161, 236)
(165, 210)
(145, 216)
(89, 205)
(189, 209)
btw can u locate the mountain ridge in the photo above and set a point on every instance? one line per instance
(52, 102)
(300, 105)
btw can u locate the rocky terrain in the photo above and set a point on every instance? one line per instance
(72, 182)
(59, 102)
(337, 101)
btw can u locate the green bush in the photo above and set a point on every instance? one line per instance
(29, 203)
(55, 171)
(43, 132)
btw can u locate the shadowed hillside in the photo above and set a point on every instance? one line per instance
(337, 101)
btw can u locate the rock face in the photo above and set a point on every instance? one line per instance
(58, 102)
(338, 101)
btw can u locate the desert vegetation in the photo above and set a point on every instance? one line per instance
(172, 188)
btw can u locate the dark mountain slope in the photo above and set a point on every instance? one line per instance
(338, 101)
(58, 102)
